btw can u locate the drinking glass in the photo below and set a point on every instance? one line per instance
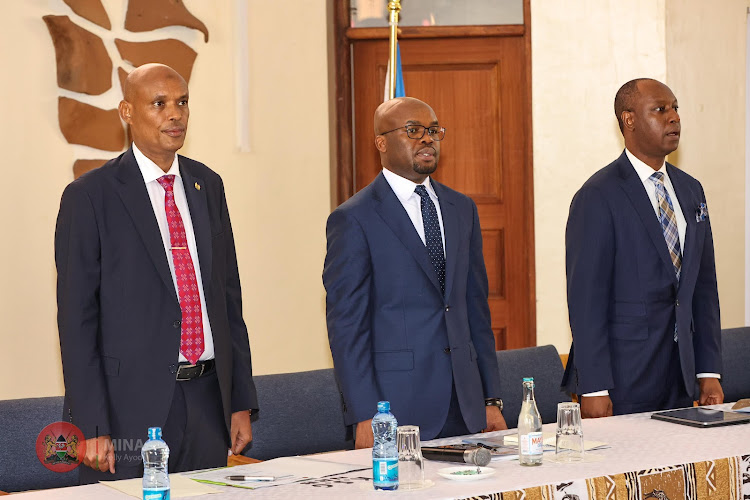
(569, 440)
(410, 463)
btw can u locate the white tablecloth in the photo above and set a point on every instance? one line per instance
(637, 442)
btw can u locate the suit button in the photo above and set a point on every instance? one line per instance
(447, 308)
(177, 323)
(677, 303)
(447, 350)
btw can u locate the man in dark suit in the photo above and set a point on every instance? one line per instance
(149, 300)
(408, 319)
(642, 295)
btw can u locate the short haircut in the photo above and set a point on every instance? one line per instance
(625, 99)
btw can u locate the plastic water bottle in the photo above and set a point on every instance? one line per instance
(530, 440)
(155, 455)
(384, 451)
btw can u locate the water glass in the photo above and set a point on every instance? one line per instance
(410, 463)
(569, 439)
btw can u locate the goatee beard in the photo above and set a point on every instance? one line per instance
(427, 170)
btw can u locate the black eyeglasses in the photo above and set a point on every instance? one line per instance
(418, 131)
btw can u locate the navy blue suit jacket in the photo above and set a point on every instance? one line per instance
(118, 310)
(393, 335)
(623, 295)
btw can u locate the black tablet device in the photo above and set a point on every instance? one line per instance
(702, 417)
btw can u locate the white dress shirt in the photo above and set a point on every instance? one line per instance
(151, 172)
(404, 189)
(644, 173)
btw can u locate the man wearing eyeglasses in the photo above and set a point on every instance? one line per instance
(408, 320)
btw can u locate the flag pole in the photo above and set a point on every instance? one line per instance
(394, 7)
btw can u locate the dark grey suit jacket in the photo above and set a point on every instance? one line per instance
(118, 310)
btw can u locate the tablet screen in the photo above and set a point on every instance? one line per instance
(702, 417)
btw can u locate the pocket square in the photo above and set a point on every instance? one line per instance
(701, 213)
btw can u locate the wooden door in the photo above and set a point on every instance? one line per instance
(480, 90)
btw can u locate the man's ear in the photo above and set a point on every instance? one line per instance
(125, 110)
(381, 143)
(628, 120)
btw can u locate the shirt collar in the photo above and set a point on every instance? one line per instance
(404, 188)
(643, 170)
(150, 170)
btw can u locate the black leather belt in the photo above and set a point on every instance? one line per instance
(186, 371)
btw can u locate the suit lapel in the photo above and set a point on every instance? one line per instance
(135, 197)
(389, 209)
(198, 205)
(634, 189)
(450, 227)
(687, 205)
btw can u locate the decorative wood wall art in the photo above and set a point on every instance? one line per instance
(91, 126)
(80, 167)
(83, 64)
(92, 10)
(147, 15)
(171, 52)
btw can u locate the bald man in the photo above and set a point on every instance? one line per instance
(408, 319)
(148, 296)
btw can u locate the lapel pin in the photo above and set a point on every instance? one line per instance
(197, 186)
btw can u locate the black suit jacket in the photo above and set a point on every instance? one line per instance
(118, 310)
(623, 296)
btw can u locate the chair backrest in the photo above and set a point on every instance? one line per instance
(543, 363)
(21, 421)
(300, 413)
(735, 355)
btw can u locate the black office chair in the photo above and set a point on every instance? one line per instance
(735, 355)
(543, 363)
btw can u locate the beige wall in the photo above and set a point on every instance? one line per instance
(707, 74)
(279, 193)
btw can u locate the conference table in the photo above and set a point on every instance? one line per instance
(646, 458)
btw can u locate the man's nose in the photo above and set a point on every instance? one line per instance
(174, 112)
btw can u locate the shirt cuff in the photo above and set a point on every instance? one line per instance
(707, 375)
(605, 392)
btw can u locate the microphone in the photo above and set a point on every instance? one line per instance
(474, 456)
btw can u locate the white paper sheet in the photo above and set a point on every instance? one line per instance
(179, 487)
(286, 470)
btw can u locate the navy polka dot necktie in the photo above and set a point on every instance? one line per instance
(432, 236)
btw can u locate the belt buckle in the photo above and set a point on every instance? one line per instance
(188, 369)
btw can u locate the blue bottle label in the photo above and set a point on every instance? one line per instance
(385, 472)
(155, 493)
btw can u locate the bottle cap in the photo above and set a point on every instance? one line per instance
(528, 379)
(384, 406)
(154, 432)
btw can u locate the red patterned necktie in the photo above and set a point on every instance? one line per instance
(191, 339)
